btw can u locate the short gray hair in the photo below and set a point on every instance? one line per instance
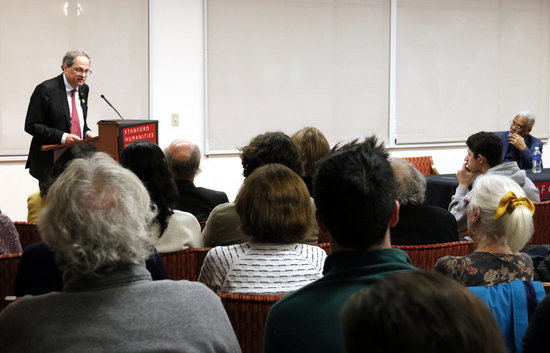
(411, 184)
(516, 227)
(529, 116)
(71, 56)
(98, 217)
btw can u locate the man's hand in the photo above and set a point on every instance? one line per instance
(517, 141)
(464, 176)
(91, 134)
(72, 138)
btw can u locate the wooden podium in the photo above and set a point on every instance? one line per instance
(114, 135)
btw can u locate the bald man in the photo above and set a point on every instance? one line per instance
(184, 158)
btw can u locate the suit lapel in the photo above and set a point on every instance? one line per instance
(62, 94)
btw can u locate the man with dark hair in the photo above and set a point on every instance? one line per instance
(223, 224)
(57, 112)
(518, 144)
(484, 157)
(354, 192)
(184, 158)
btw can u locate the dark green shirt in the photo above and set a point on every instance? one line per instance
(308, 319)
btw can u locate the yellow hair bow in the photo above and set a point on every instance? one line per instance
(510, 201)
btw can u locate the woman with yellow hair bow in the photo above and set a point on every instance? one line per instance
(500, 221)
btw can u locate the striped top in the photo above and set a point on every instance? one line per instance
(255, 268)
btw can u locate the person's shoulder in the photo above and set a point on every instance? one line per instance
(212, 192)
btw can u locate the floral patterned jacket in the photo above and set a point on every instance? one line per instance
(486, 269)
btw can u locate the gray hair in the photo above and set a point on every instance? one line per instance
(529, 116)
(515, 227)
(184, 169)
(411, 184)
(98, 217)
(71, 56)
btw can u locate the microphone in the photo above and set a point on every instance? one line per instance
(110, 105)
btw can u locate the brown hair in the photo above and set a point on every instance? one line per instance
(274, 205)
(312, 145)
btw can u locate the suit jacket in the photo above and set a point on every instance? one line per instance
(198, 201)
(423, 224)
(48, 117)
(525, 157)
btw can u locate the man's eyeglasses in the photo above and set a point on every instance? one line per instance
(81, 71)
(515, 125)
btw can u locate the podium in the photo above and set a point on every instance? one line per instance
(114, 135)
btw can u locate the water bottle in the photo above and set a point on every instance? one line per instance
(537, 161)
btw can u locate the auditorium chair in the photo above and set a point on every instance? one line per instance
(8, 269)
(248, 314)
(541, 220)
(184, 264)
(425, 256)
(325, 246)
(424, 164)
(28, 233)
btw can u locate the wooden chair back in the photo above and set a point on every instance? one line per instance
(425, 256)
(28, 233)
(248, 314)
(184, 264)
(9, 264)
(541, 220)
(424, 164)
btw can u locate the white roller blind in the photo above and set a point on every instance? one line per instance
(466, 66)
(283, 65)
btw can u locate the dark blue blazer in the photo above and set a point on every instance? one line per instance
(525, 157)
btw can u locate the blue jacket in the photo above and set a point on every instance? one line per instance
(525, 157)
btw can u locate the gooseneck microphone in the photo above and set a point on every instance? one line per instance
(110, 105)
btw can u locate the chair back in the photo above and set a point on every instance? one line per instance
(248, 314)
(325, 246)
(424, 164)
(28, 233)
(541, 221)
(9, 264)
(184, 264)
(425, 256)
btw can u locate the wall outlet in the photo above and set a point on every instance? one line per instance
(175, 119)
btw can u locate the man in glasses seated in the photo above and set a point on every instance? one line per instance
(57, 112)
(517, 144)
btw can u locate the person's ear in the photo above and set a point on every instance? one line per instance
(475, 214)
(394, 218)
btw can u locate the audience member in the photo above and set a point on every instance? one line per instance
(9, 238)
(172, 229)
(536, 339)
(419, 312)
(97, 219)
(418, 223)
(274, 208)
(38, 200)
(484, 157)
(517, 143)
(312, 145)
(354, 191)
(223, 224)
(500, 221)
(184, 158)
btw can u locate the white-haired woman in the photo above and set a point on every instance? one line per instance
(500, 221)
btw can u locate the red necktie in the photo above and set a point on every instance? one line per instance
(75, 121)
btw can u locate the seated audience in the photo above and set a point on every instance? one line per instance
(418, 224)
(354, 191)
(419, 312)
(518, 144)
(38, 200)
(312, 145)
(184, 158)
(172, 229)
(97, 220)
(274, 208)
(536, 337)
(9, 238)
(500, 222)
(484, 157)
(223, 224)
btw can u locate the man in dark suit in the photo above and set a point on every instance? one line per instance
(57, 112)
(517, 144)
(418, 224)
(184, 159)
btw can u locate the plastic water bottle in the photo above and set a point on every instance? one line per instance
(537, 161)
